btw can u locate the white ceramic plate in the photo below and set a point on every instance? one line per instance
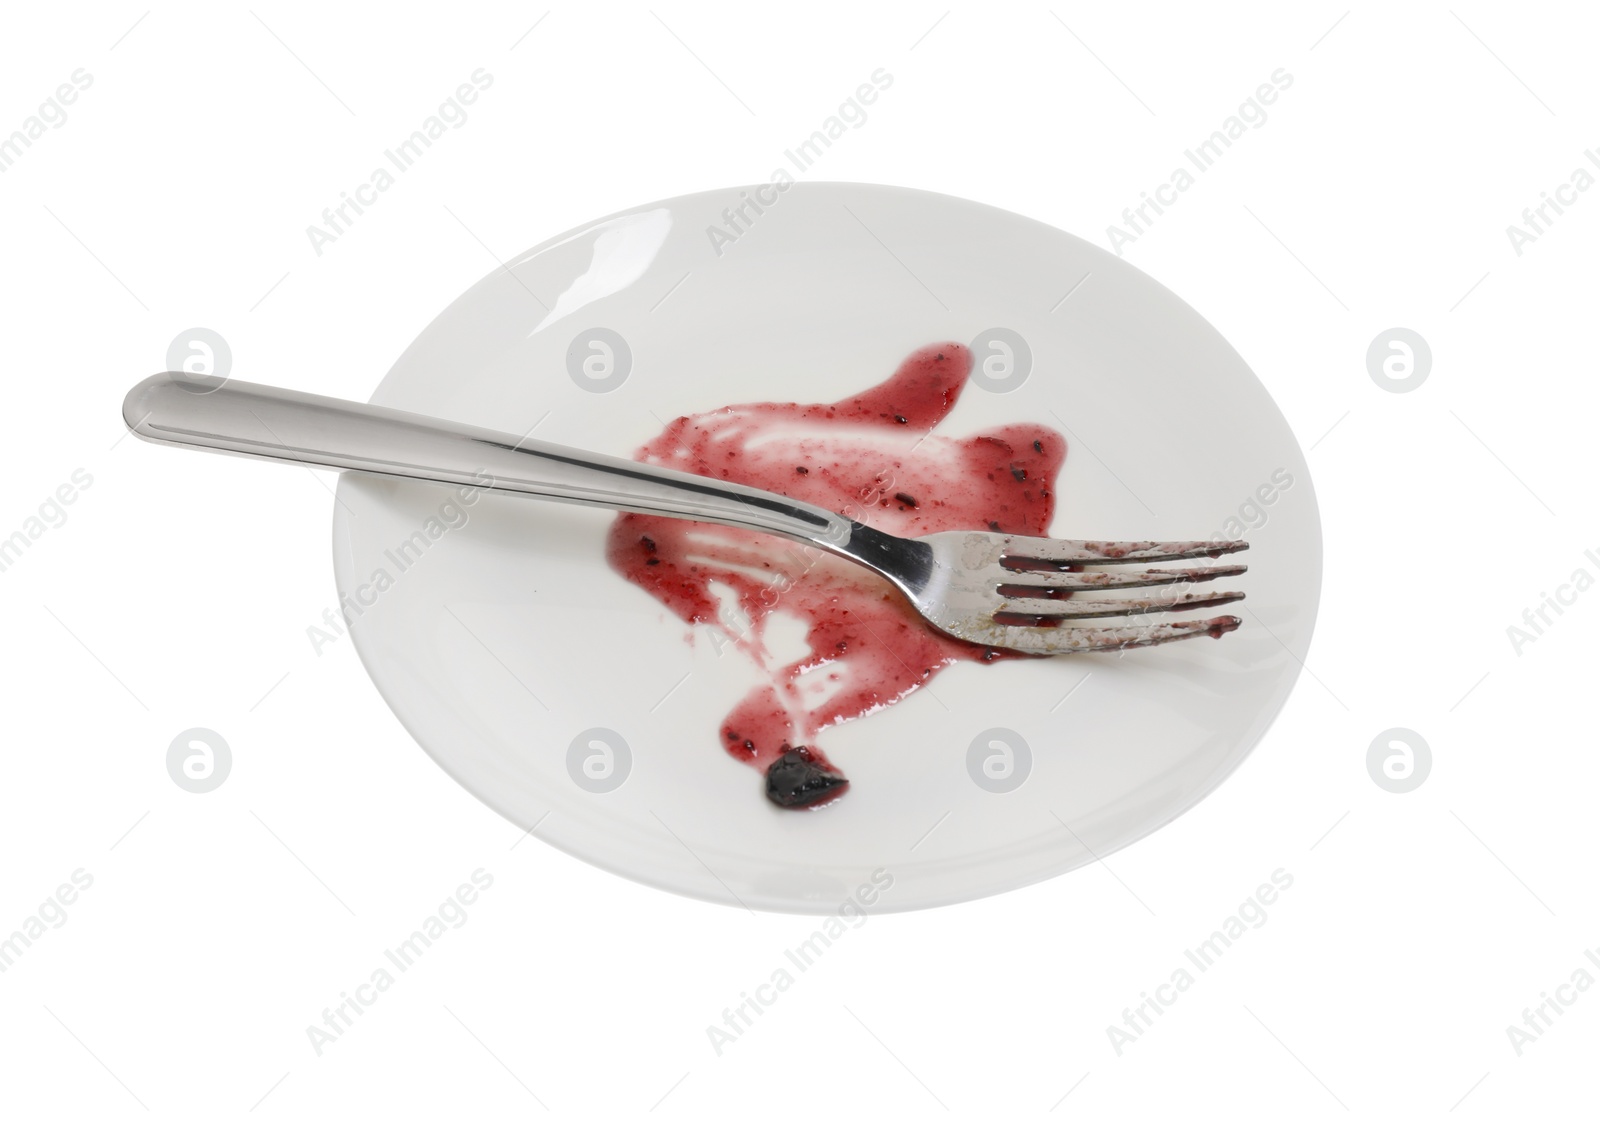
(508, 641)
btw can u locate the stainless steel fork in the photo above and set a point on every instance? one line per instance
(999, 590)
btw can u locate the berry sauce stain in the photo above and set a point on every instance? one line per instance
(873, 457)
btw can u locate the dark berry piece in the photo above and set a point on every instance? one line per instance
(800, 778)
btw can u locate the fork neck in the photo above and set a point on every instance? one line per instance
(906, 561)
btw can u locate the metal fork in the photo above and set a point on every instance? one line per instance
(999, 590)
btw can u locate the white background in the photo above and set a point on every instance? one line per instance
(177, 592)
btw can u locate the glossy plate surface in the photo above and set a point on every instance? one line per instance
(564, 696)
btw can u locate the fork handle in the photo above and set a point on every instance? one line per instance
(223, 415)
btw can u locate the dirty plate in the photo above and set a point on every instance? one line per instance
(568, 699)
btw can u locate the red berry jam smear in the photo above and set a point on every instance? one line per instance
(873, 457)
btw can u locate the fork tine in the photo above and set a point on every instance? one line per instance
(1057, 552)
(1043, 608)
(1099, 579)
(1077, 640)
